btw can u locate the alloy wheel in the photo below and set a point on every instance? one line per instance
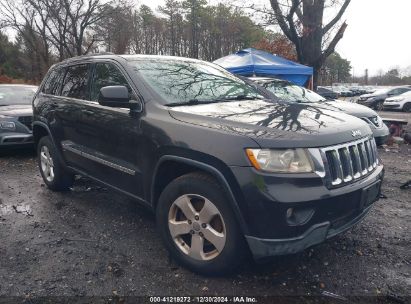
(197, 227)
(379, 106)
(47, 165)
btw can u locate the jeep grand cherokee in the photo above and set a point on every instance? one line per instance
(225, 170)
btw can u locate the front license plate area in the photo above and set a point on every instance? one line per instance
(370, 195)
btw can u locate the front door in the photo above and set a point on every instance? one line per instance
(111, 138)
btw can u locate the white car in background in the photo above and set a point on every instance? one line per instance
(400, 102)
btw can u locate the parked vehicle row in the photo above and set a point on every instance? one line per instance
(334, 92)
(376, 100)
(327, 93)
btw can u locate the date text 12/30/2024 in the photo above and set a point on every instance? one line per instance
(235, 299)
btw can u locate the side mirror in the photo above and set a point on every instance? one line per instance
(114, 96)
(118, 97)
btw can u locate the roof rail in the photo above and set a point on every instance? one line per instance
(87, 55)
(101, 53)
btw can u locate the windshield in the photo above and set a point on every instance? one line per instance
(16, 95)
(181, 82)
(291, 92)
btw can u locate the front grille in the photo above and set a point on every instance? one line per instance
(349, 162)
(27, 121)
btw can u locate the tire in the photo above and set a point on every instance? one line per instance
(219, 244)
(407, 107)
(379, 106)
(54, 174)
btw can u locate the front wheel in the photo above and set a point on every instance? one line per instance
(54, 174)
(379, 106)
(407, 107)
(198, 226)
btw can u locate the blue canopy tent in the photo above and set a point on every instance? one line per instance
(252, 62)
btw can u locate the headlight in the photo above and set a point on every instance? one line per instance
(7, 125)
(280, 160)
(375, 120)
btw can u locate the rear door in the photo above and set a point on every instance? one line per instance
(75, 92)
(47, 102)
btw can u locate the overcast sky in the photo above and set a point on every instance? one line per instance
(378, 34)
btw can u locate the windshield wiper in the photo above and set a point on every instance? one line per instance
(199, 101)
(185, 103)
(240, 97)
(301, 101)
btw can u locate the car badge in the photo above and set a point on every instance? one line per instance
(355, 133)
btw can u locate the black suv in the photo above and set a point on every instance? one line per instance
(225, 170)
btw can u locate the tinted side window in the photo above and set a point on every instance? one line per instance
(106, 74)
(76, 82)
(53, 82)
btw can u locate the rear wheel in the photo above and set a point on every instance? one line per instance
(198, 226)
(54, 175)
(407, 107)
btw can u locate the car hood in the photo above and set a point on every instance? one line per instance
(350, 108)
(16, 110)
(275, 124)
(373, 95)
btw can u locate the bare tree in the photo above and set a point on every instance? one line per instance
(115, 30)
(302, 22)
(21, 16)
(172, 9)
(193, 13)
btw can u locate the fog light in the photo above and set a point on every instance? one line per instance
(299, 216)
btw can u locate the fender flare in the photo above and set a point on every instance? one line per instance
(46, 127)
(212, 171)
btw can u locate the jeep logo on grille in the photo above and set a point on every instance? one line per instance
(355, 133)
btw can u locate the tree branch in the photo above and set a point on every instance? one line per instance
(331, 47)
(329, 26)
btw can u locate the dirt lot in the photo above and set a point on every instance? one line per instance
(92, 241)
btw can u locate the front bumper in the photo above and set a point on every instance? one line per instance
(14, 139)
(267, 199)
(317, 234)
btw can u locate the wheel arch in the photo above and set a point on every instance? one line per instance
(40, 129)
(405, 105)
(179, 166)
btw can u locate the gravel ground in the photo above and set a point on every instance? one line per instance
(91, 241)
